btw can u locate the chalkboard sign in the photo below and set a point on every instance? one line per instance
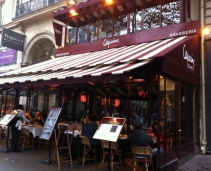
(50, 123)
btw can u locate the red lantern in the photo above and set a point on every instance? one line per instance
(104, 101)
(83, 98)
(140, 93)
(116, 102)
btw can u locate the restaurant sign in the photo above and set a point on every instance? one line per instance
(12, 39)
(189, 58)
(111, 43)
(8, 56)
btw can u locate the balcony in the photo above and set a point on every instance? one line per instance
(37, 9)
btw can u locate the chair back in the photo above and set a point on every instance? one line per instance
(62, 126)
(86, 142)
(114, 145)
(1, 129)
(142, 151)
(168, 143)
(25, 132)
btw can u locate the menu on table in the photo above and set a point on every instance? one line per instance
(109, 129)
(50, 123)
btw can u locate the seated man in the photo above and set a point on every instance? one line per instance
(89, 129)
(139, 138)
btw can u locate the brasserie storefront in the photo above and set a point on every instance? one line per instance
(111, 63)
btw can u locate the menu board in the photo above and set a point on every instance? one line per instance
(50, 123)
(109, 129)
(6, 119)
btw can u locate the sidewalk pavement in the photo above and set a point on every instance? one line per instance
(198, 162)
(35, 160)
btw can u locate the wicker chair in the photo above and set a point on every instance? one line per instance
(142, 154)
(85, 141)
(26, 138)
(114, 151)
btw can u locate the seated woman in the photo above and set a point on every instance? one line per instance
(28, 116)
(38, 119)
(89, 129)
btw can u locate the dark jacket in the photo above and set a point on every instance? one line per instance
(139, 138)
(89, 130)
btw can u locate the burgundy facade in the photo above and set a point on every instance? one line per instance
(153, 69)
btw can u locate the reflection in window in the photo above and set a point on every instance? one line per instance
(53, 98)
(135, 21)
(41, 100)
(23, 98)
(106, 28)
(170, 13)
(93, 32)
(82, 34)
(33, 103)
(72, 36)
(9, 102)
(152, 17)
(120, 25)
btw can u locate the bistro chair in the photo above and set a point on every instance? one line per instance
(58, 148)
(114, 151)
(85, 141)
(26, 138)
(5, 130)
(2, 136)
(142, 154)
(168, 143)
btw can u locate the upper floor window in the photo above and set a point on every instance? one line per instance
(123, 19)
(24, 7)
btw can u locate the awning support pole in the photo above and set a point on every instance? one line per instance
(203, 111)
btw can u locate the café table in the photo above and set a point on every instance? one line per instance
(76, 148)
(34, 129)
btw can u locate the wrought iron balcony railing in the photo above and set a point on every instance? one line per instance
(33, 5)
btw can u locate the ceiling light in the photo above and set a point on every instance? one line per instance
(73, 12)
(139, 80)
(71, 2)
(205, 31)
(109, 1)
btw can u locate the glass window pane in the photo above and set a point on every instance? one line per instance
(120, 25)
(72, 36)
(10, 101)
(23, 98)
(170, 13)
(33, 103)
(53, 98)
(135, 21)
(152, 17)
(82, 34)
(93, 31)
(106, 28)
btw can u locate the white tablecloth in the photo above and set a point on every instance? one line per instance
(35, 130)
(76, 132)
